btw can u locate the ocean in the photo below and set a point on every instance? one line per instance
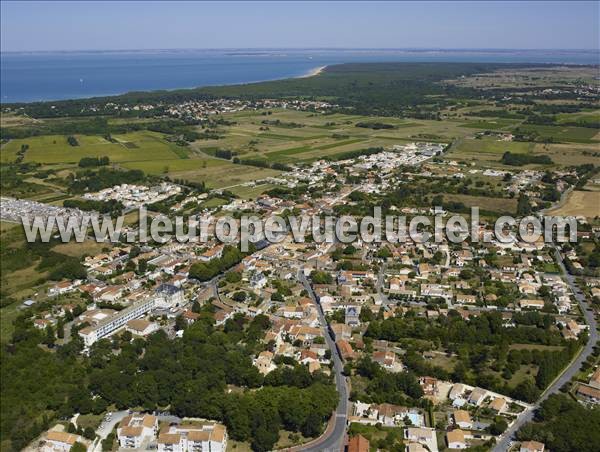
(41, 76)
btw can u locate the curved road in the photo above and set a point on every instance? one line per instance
(569, 372)
(331, 440)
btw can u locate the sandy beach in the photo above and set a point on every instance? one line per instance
(313, 72)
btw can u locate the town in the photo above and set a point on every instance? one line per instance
(338, 310)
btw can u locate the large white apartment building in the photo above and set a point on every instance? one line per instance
(115, 322)
(134, 429)
(192, 438)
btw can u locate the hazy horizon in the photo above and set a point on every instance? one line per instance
(380, 49)
(96, 26)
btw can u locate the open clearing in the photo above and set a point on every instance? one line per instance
(503, 205)
(584, 203)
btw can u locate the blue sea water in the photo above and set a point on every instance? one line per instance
(36, 76)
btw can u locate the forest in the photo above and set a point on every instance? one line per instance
(187, 376)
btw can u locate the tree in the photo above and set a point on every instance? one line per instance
(239, 296)
(89, 433)
(321, 277)
(60, 329)
(312, 425)
(78, 447)
(50, 339)
(498, 426)
(180, 323)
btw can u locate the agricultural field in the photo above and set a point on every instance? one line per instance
(580, 203)
(591, 117)
(493, 124)
(563, 133)
(320, 135)
(288, 137)
(504, 205)
(131, 147)
(570, 154)
(487, 152)
(10, 120)
(534, 77)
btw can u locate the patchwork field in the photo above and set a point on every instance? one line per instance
(294, 136)
(290, 136)
(487, 152)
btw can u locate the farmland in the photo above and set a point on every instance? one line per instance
(290, 136)
(580, 203)
(132, 147)
(563, 133)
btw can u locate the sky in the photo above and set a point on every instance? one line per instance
(48, 25)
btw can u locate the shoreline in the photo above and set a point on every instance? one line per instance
(310, 73)
(313, 72)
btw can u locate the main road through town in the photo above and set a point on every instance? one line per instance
(332, 439)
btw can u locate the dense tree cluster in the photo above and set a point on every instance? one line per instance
(190, 375)
(87, 162)
(203, 271)
(564, 425)
(482, 348)
(400, 388)
(103, 178)
(111, 206)
(513, 159)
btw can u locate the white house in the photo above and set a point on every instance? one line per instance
(136, 428)
(60, 441)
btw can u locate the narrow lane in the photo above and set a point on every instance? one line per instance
(569, 372)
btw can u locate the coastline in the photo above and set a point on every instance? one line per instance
(313, 72)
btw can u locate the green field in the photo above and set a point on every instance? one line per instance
(567, 133)
(492, 124)
(592, 117)
(490, 146)
(131, 147)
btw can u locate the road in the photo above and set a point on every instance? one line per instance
(331, 440)
(569, 372)
(105, 428)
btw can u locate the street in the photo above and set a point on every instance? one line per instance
(333, 440)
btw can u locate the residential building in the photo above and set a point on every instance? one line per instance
(169, 295)
(456, 439)
(59, 441)
(193, 438)
(532, 446)
(462, 419)
(113, 323)
(134, 429)
(141, 327)
(477, 396)
(422, 435)
(358, 444)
